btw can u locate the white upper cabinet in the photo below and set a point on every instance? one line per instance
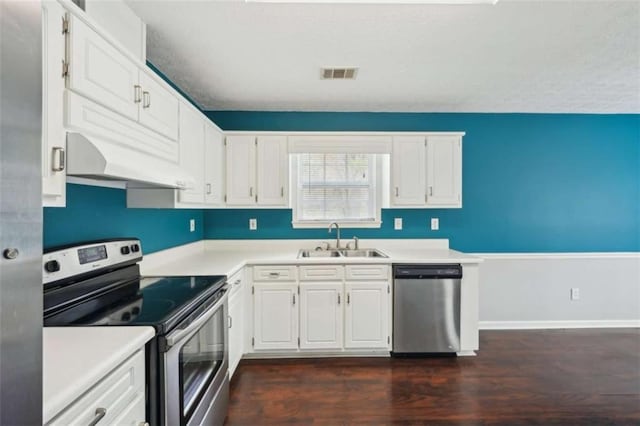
(53, 83)
(367, 315)
(272, 170)
(444, 171)
(122, 23)
(408, 171)
(159, 107)
(321, 310)
(426, 171)
(213, 165)
(257, 170)
(192, 143)
(275, 321)
(241, 170)
(101, 72)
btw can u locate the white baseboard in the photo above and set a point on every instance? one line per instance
(541, 325)
(286, 355)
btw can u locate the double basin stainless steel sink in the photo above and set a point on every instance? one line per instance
(332, 253)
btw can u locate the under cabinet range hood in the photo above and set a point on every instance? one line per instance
(97, 158)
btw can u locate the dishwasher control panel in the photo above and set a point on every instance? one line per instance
(427, 271)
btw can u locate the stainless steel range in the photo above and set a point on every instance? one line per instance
(99, 283)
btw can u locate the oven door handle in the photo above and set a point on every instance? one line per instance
(178, 335)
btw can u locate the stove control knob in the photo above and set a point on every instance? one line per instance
(135, 248)
(126, 316)
(135, 310)
(124, 250)
(52, 266)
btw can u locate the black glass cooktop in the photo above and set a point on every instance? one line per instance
(161, 302)
(164, 298)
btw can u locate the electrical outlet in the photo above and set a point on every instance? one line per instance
(192, 225)
(397, 223)
(253, 224)
(435, 223)
(575, 293)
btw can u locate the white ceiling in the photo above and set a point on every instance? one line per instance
(516, 56)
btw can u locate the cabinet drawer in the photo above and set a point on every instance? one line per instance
(367, 272)
(236, 281)
(322, 273)
(132, 414)
(274, 273)
(116, 393)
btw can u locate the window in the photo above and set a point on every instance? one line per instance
(335, 187)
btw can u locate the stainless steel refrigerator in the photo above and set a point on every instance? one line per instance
(20, 213)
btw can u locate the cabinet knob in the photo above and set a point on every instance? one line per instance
(397, 192)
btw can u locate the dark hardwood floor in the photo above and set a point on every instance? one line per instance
(551, 377)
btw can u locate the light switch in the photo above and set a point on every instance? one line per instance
(397, 223)
(192, 225)
(253, 224)
(435, 224)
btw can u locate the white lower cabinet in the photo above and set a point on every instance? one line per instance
(131, 415)
(321, 312)
(367, 315)
(236, 327)
(117, 399)
(275, 322)
(321, 315)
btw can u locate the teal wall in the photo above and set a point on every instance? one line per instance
(531, 182)
(95, 212)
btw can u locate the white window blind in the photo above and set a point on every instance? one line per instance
(335, 187)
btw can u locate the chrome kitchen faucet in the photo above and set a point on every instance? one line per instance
(337, 233)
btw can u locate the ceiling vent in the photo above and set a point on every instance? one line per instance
(339, 73)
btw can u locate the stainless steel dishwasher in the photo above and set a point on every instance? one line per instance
(426, 309)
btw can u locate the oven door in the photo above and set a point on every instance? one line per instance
(196, 380)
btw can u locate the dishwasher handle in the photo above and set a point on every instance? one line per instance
(427, 271)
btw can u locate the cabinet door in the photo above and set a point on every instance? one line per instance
(191, 152)
(241, 170)
(275, 316)
(159, 107)
(408, 171)
(213, 165)
(53, 133)
(236, 330)
(273, 170)
(100, 72)
(134, 413)
(444, 171)
(367, 315)
(321, 315)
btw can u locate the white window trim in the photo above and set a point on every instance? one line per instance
(311, 224)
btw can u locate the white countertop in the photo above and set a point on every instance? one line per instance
(76, 358)
(216, 259)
